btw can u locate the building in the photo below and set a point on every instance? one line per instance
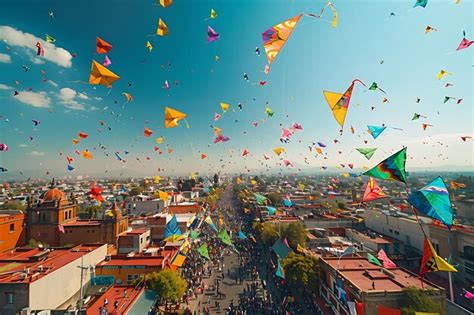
(134, 241)
(28, 277)
(157, 223)
(127, 269)
(12, 232)
(53, 220)
(400, 226)
(375, 242)
(184, 207)
(356, 279)
(144, 207)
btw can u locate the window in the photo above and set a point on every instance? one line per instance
(10, 297)
(12, 227)
(469, 252)
(397, 233)
(436, 247)
(390, 230)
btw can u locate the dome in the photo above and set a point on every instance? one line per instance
(54, 194)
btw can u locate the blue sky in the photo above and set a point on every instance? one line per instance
(317, 57)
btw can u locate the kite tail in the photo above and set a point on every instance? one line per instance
(187, 124)
(357, 80)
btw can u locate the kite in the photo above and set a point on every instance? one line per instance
(203, 156)
(392, 168)
(102, 47)
(107, 62)
(35, 122)
(387, 262)
(147, 132)
(40, 49)
(432, 262)
(83, 135)
(3, 147)
(375, 86)
(96, 193)
(70, 168)
(287, 163)
(429, 29)
(280, 272)
(172, 227)
(372, 259)
(203, 251)
(163, 195)
(225, 107)
(375, 131)
(433, 200)
(225, 238)
(424, 126)
(166, 85)
(276, 36)
(101, 75)
(211, 35)
(367, 152)
(75, 141)
(421, 3)
(49, 39)
(465, 138)
(162, 29)
(166, 3)
(3, 170)
(269, 111)
(442, 73)
(456, 185)
(285, 135)
(217, 116)
(465, 43)
(373, 191)
(417, 116)
(87, 155)
(278, 151)
(339, 103)
(149, 46)
(213, 14)
(172, 117)
(128, 96)
(221, 138)
(447, 98)
(245, 152)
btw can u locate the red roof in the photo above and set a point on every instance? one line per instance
(148, 261)
(126, 295)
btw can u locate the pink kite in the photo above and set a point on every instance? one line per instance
(40, 51)
(217, 117)
(107, 61)
(221, 138)
(245, 153)
(387, 263)
(166, 85)
(465, 43)
(211, 35)
(287, 163)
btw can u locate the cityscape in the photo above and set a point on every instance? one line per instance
(191, 157)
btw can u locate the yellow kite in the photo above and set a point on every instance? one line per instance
(279, 150)
(441, 74)
(163, 195)
(156, 179)
(225, 107)
(172, 117)
(162, 29)
(102, 75)
(159, 140)
(149, 46)
(339, 103)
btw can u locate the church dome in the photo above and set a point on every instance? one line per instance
(54, 194)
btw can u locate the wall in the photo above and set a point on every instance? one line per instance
(11, 239)
(121, 273)
(21, 297)
(147, 207)
(53, 289)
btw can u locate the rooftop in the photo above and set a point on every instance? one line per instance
(38, 262)
(360, 273)
(125, 295)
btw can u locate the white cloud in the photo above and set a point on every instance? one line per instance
(67, 97)
(37, 153)
(22, 145)
(5, 58)
(37, 61)
(53, 83)
(57, 55)
(35, 99)
(98, 98)
(83, 96)
(5, 87)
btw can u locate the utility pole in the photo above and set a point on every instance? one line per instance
(82, 281)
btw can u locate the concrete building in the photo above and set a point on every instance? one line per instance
(375, 242)
(357, 279)
(12, 232)
(157, 223)
(145, 207)
(134, 241)
(400, 226)
(38, 279)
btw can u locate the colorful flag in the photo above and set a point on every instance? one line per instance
(203, 251)
(225, 238)
(372, 259)
(280, 272)
(172, 227)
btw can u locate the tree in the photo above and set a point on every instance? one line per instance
(13, 205)
(269, 233)
(275, 198)
(168, 285)
(135, 191)
(341, 205)
(420, 301)
(301, 273)
(295, 233)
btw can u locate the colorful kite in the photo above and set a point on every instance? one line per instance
(147, 132)
(375, 86)
(373, 191)
(96, 193)
(421, 3)
(166, 3)
(162, 29)
(172, 117)
(429, 29)
(339, 103)
(87, 155)
(442, 73)
(432, 262)
(375, 131)
(392, 168)
(433, 200)
(82, 135)
(128, 96)
(102, 47)
(224, 107)
(101, 75)
(213, 14)
(278, 151)
(269, 111)
(211, 35)
(149, 46)
(203, 251)
(49, 39)
(417, 116)
(276, 36)
(367, 152)
(172, 227)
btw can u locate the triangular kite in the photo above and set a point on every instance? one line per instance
(375, 131)
(367, 152)
(101, 75)
(276, 36)
(102, 47)
(432, 262)
(392, 168)
(372, 191)
(172, 117)
(162, 29)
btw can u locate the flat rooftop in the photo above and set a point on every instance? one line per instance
(125, 295)
(359, 272)
(15, 262)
